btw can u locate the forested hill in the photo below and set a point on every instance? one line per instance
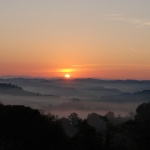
(9, 86)
(10, 89)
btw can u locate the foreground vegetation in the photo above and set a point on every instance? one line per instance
(23, 128)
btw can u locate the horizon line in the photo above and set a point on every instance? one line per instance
(72, 78)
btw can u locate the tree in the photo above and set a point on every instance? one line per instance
(24, 128)
(143, 113)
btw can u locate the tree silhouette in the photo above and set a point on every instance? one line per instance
(23, 128)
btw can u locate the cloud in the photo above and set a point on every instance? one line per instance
(146, 23)
(134, 50)
(86, 66)
(119, 17)
(111, 65)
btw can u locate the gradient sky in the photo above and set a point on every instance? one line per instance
(86, 38)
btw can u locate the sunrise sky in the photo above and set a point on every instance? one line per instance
(85, 38)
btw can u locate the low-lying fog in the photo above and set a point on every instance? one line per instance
(83, 96)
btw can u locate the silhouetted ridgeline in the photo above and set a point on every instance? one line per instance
(23, 128)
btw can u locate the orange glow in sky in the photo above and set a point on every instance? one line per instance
(98, 39)
(66, 70)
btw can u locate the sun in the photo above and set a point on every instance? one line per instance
(67, 76)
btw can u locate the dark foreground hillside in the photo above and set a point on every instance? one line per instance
(22, 128)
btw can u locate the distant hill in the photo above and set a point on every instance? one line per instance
(103, 89)
(144, 92)
(143, 96)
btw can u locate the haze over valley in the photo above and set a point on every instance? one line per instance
(83, 96)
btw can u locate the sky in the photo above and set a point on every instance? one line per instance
(86, 38)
